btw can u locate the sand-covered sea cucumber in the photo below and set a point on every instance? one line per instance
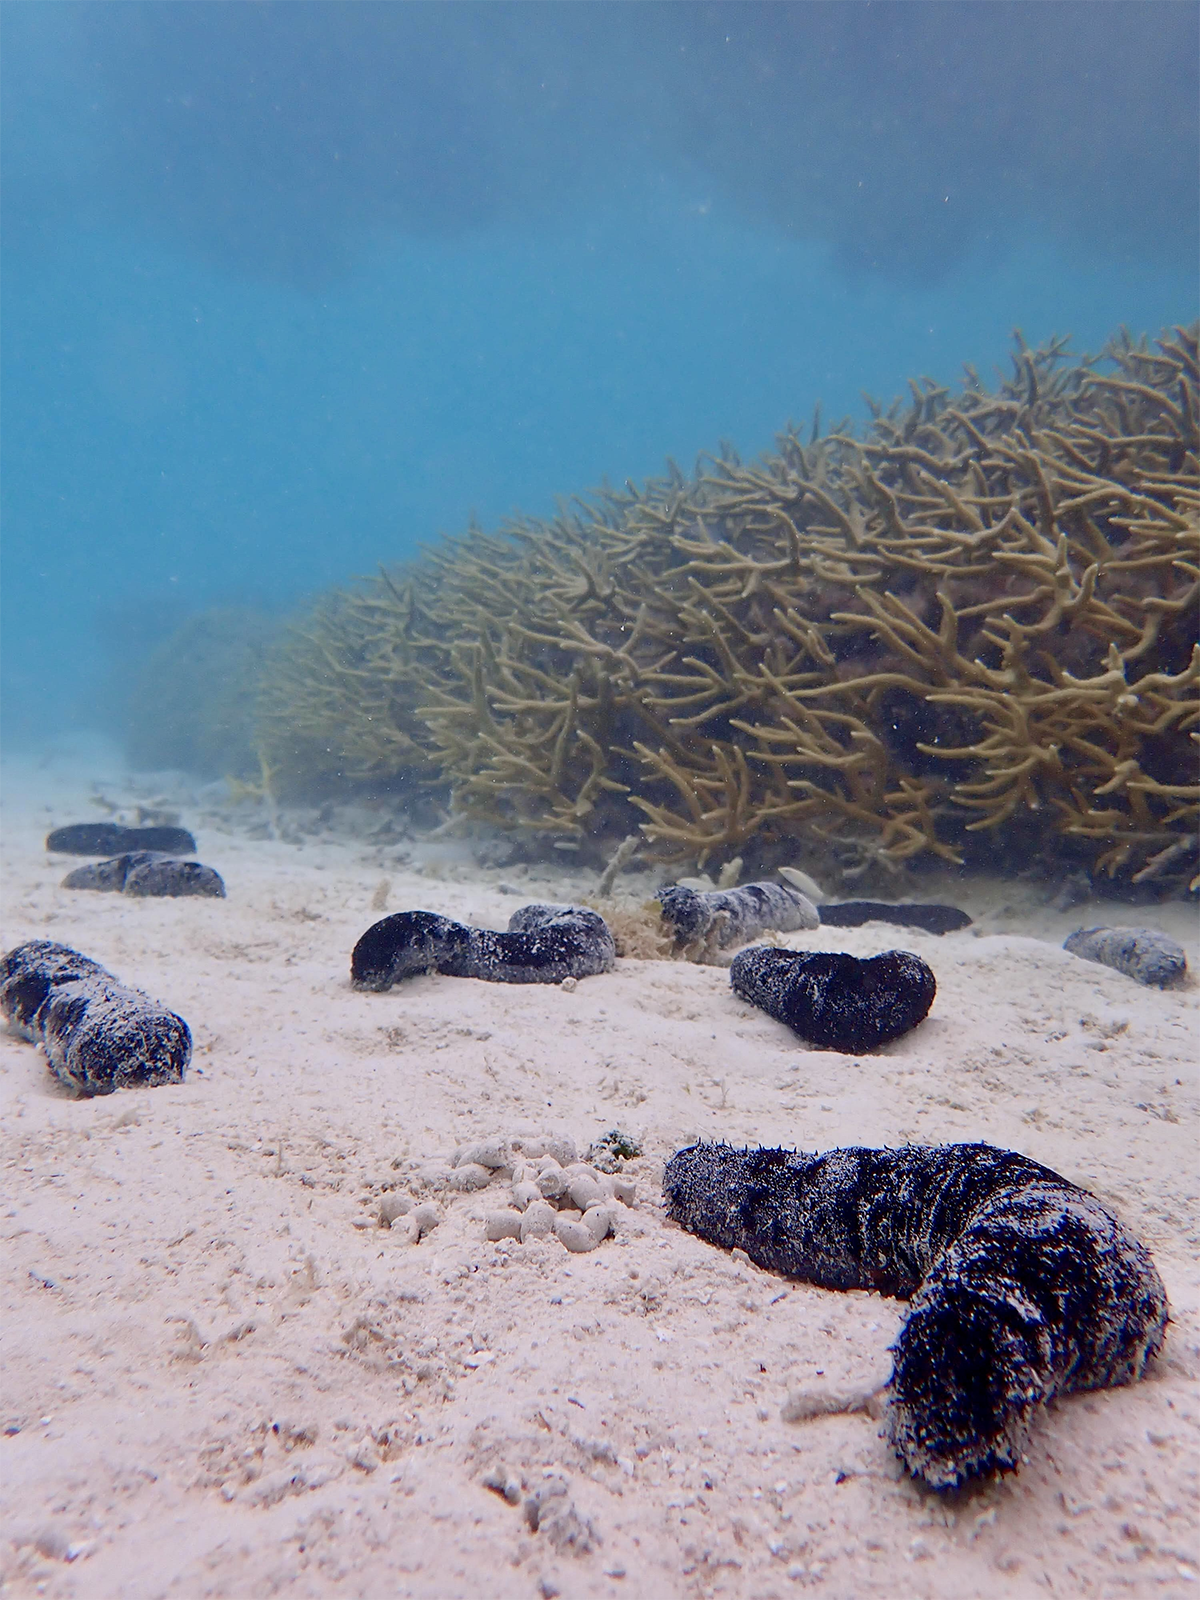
(1022, 1286)
(837, 1001)
(111, 839)
(1142, 953)
(932, 918)
(718, 919)
(98, 1035)
(147, 873)
(543, 944)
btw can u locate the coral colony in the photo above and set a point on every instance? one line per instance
(969, 630)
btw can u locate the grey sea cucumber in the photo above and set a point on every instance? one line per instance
(147, 873)
(98, 1035)
(110, 839)
(1142, 953)
(543, 944)
(837, 1001)
(1022, 1286)
(718, 919)
(932, 918)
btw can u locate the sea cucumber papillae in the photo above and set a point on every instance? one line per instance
(1022, 1286)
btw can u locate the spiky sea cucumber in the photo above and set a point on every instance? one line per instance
(110, 839)
(930, 917)
(718, 919)
(98, 1035)
(1142, 953)
(543, 944)
(146, 874)
(837, 1001)
(1022, 1287)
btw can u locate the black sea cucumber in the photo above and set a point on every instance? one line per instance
(110, 839)
(837, 1001)
(147, 873)
(930, 917)
(543, 944)
(1022, 1285)
(1142, 953)
(97, 1034)
(722, 918)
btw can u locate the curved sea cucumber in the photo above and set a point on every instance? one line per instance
(98, 1035)
(1142, 953)
(1022, 1286)
(837, 1001)
(930, 917)
(110, 839)
(147, 873)
(718, 919)
(543, 944)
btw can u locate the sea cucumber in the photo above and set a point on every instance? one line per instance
(718, 919)
(1142, 953)
(147, 873)
(543, 944)
(932, 918)
(1022, 1286)
(110, 839)
(97, 1034)
(837, 1001)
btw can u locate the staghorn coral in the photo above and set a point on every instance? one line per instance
(337, 696)
(972, 628)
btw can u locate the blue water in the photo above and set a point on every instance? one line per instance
(288, 290)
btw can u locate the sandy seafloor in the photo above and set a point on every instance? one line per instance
(221, 1378)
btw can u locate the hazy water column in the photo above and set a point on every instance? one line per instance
(289, 288)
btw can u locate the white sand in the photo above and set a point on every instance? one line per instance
(218, 1382)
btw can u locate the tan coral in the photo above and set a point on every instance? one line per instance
(972, 625)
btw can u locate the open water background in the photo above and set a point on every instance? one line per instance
(290, 288)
